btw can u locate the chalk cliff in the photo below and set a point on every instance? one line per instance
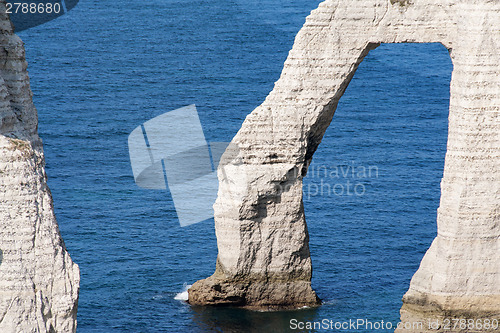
(261, 232)
(38, 281)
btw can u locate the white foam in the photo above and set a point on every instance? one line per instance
(183, 295)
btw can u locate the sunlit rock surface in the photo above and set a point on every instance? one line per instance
(38, 281)
(262, 236)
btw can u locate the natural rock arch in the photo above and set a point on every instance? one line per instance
(261, 231)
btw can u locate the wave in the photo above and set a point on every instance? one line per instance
(183, 295)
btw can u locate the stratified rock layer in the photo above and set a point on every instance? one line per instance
(261, 232)
(38, 281)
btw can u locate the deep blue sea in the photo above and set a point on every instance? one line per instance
(108, 66)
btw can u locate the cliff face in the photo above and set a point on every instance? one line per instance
(38, 281)
(261, 232)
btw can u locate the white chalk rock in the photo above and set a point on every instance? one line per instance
(38, 281)
(261, 231)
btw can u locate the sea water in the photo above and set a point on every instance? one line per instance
(108, 66)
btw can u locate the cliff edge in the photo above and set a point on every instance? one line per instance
(38, 281)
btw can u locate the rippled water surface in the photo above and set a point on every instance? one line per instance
(108, 66)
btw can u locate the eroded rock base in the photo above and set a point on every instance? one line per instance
(422, 313)
(253, 295)
(253, 292)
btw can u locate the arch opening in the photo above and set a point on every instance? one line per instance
(372, 188)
